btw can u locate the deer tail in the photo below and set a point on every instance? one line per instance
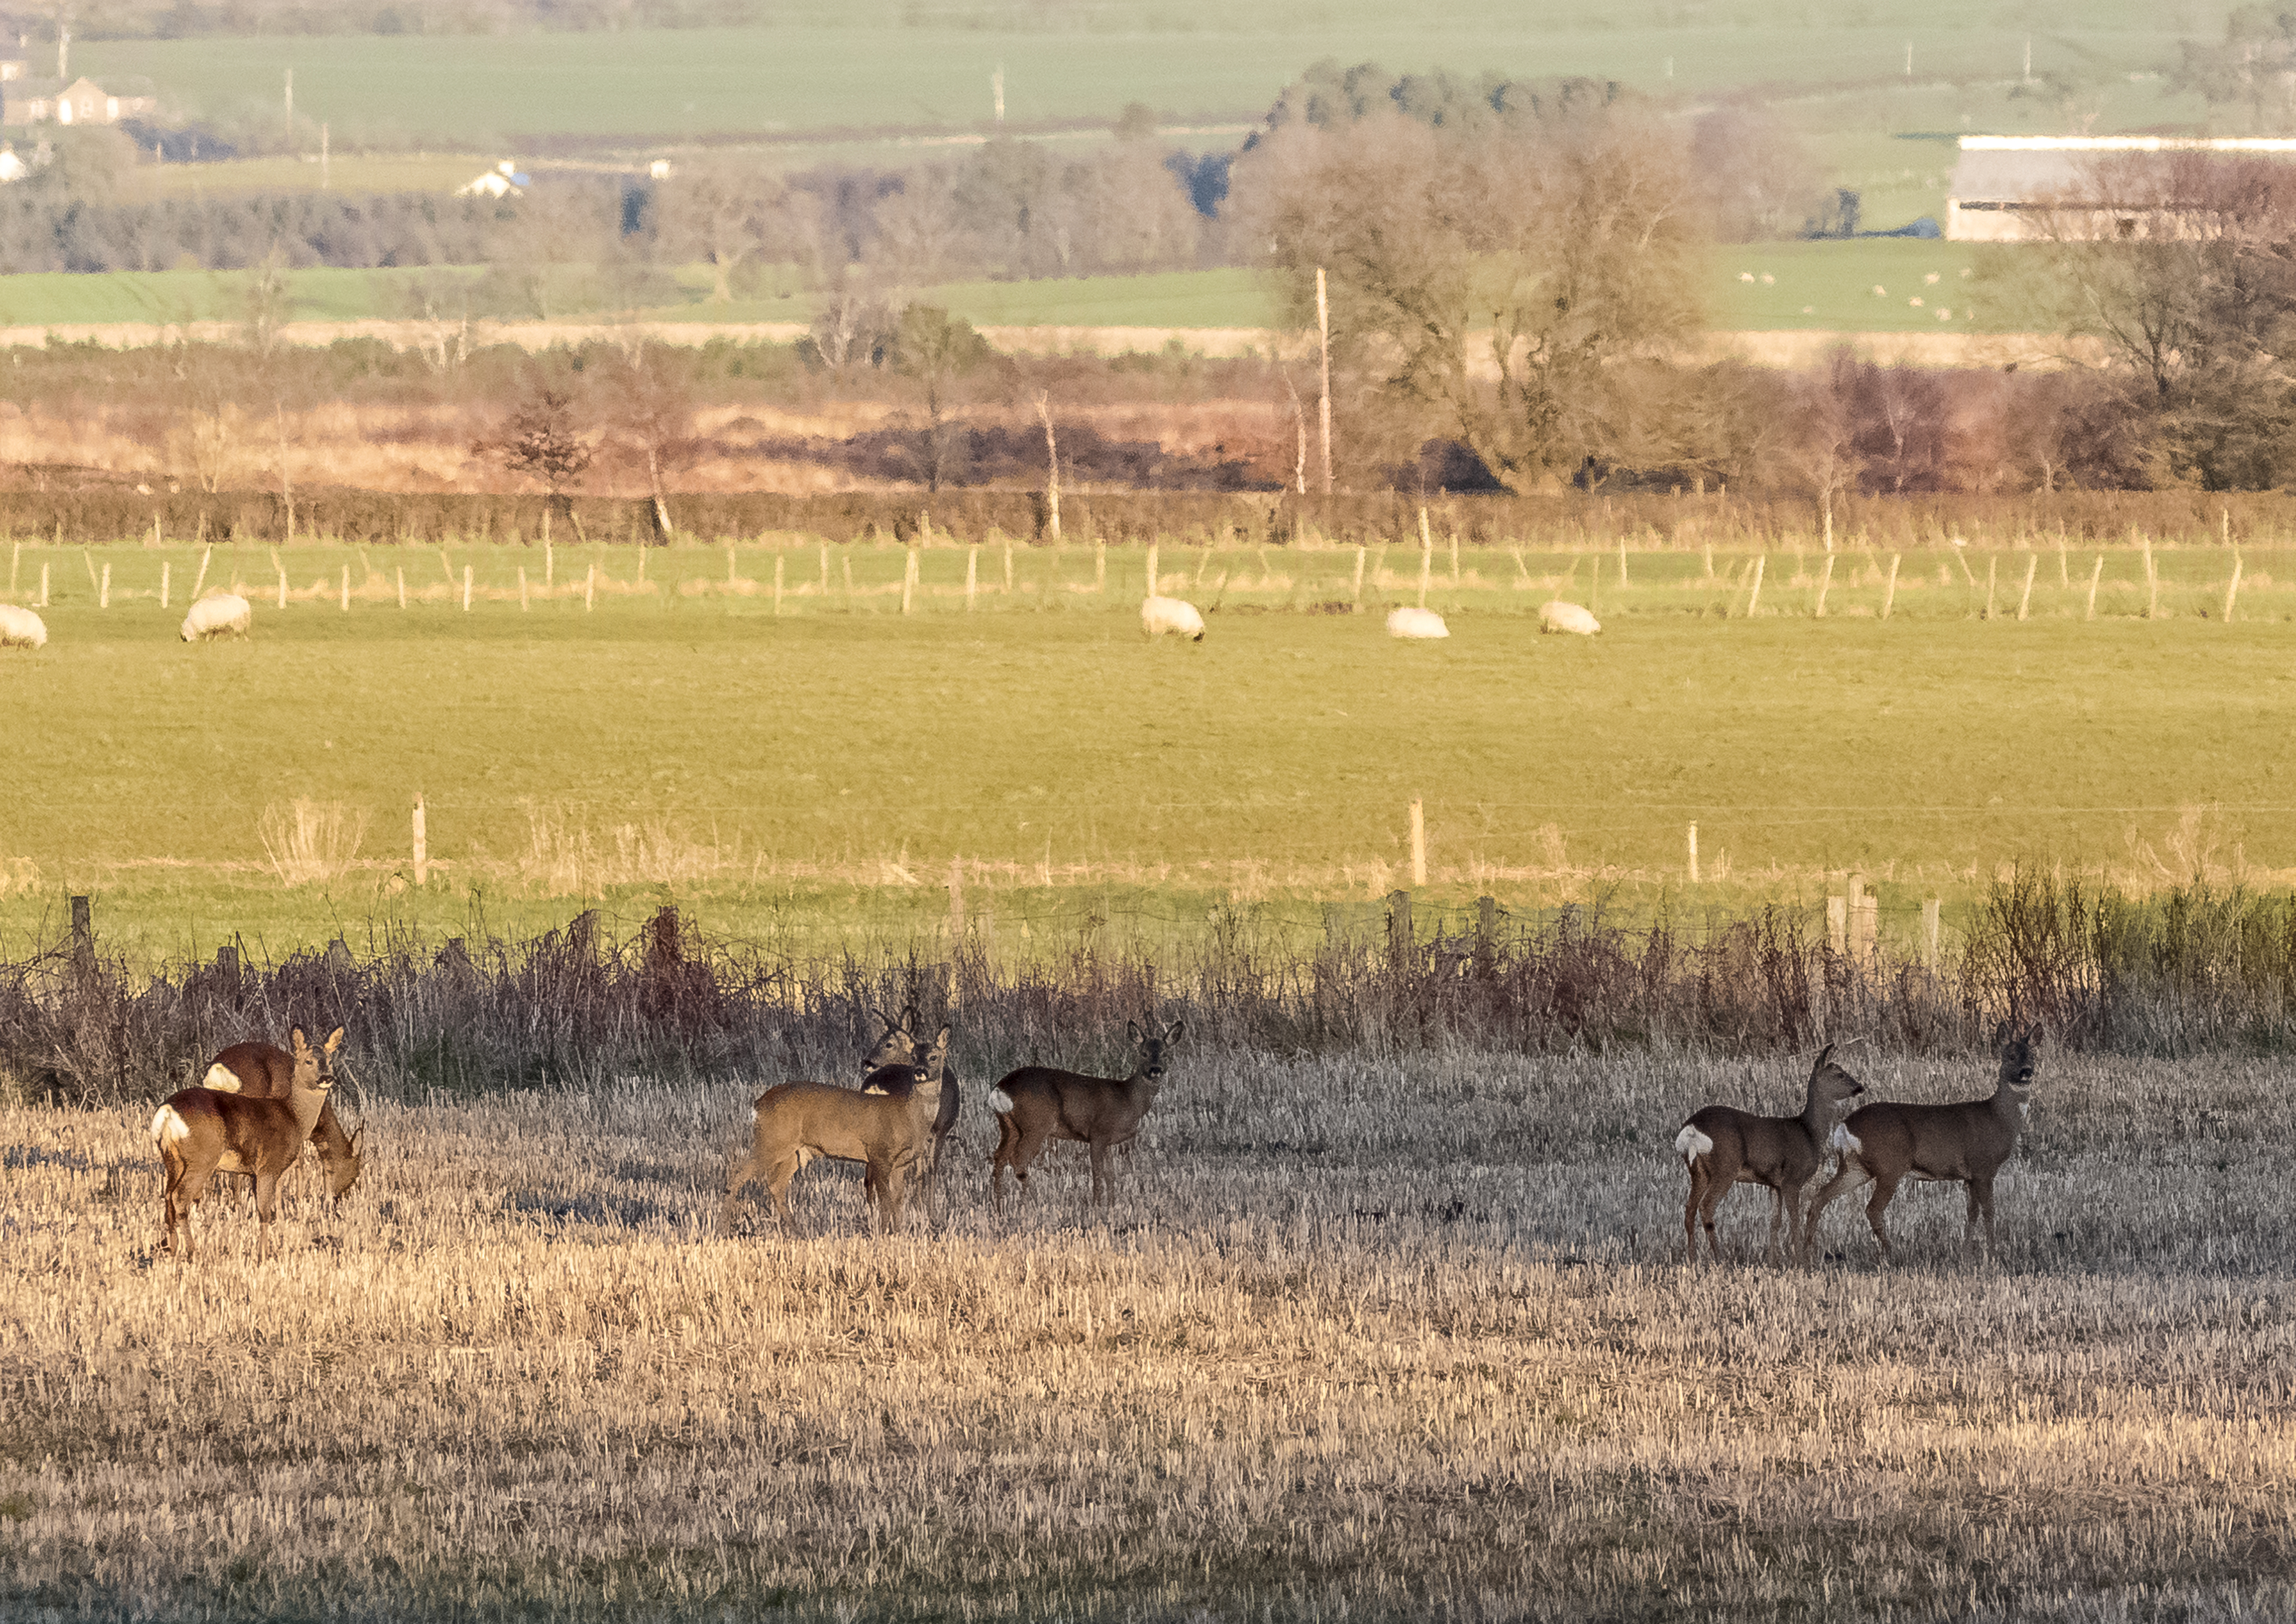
(1689, 1144)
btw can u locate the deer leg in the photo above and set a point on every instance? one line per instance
(1104, 1179)
(1849, 1177)
(1690, 1210)
(266, 1206)
(1777, 1215)
(1717, 1191)
(1980, 1198)
(743, 1172)
(1875, 1206)
(1008, 1139)
(777, 1183)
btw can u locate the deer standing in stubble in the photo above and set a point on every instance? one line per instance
(889, 1068)
(1724, 1147)
(1964, 1143)
(1036, 1104)
(200, 1132)
(266, 1071)
(890, 1134)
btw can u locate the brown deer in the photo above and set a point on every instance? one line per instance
(266, 1071)
(200, 1132)
(889, 1068)
(1964, 1143)
(890, 1134)
(1038, 1103)
(1724, 1147)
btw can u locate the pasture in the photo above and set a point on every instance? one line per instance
(1374, 1335)
(804, 765)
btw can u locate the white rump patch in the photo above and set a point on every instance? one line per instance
(222, 1078)
(999, 1101)
(168, 1127)
(1692, 1143)
(1841, 1139)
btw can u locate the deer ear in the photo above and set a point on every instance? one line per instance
(908, 1021)
(296, 1039)
(941, 1038)
(1174, 1035)
(1132, 1030)
(1824, 1055)
(334, 1040)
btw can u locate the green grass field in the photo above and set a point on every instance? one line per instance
(825, 764)
(1821, 285)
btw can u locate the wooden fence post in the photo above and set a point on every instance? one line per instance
(1992, 569)
(346, 589)
(103, 587)
(522, 604)
(1399, 929)
(1426, 558)
(2232, 589)
(1487, 934)
(422, 846)
(1837, 925)
(590, 589)
(1693, 854)
(777, 581)
(2025, 598)
(44, 584)
(972, 575)
(955, 902)
(1418, 843)
(1355, 599)
(1930, 934)
(282, 585)
(1151, 570)
(82, 934)
(163, 584)
(908, 580)
(2095, 576)
(1754, 593)
(1825, 581)
(402, 586)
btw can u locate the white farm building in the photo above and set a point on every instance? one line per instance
(2024, 188)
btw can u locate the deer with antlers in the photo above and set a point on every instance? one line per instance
(1964, 1143)
(200, 1132)
(1724, 1147)
(1038, 1103)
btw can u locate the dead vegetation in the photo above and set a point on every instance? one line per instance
(1400, 1334)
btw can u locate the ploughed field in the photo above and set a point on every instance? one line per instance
(808, 777)
(1402, 1334)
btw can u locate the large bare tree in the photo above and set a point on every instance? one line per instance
(1495, 277)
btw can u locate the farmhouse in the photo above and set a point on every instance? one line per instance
(80, 101)
(503, 180)
(2024, 188)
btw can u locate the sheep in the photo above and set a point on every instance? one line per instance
(20, 629)
(1562, 617)
(219, 614)
(1415, 623)
(1175, 615)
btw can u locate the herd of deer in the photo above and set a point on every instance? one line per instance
(257, 1107)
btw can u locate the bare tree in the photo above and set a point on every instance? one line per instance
(1495, 282)
(936, 350)
(543, 440)
(654, 419)
(725, 212)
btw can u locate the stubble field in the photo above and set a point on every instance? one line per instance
(1375, 1336)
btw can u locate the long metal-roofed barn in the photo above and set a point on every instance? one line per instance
(2025, 188)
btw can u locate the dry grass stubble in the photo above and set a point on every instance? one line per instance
(1408, 1335)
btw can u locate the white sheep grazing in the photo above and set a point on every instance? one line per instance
(20, 629)
(1562, 617)
(219, 614)
(1415, 623)
(1174, 615)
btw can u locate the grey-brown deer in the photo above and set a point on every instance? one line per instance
(1964, 1143)
(890, 1135)
(200, 1132)
(266, 1071)
(1038, 1103)
(1724, 1147)
(889, 1068)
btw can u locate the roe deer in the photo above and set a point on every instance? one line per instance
(800, 1122)
(1964, 1143)
(266, 1071)
(1724, 1147)
(889, 1068)
(1039, 1103)
(200, 1132)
